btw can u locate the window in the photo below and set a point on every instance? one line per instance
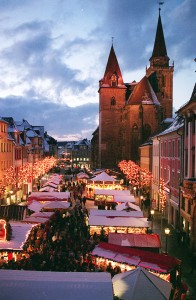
(114, 80)
(173, 148)
(169, 149)
(179, 149)
(113, 101)
(183, 203)
(165, 149)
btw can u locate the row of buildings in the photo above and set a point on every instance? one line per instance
(136, 123)
(77, 154)
(21, 143)
(170, 155)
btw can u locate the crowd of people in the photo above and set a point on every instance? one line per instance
(61, 244)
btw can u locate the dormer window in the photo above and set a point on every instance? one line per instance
(114, 80)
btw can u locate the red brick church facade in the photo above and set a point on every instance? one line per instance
(129, 113)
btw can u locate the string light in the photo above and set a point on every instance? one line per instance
(138, 177)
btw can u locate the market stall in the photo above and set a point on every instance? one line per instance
(82, 177)
(107, 224)
(109, 197)
(164, 266)
(10, 249)
(127, 206)
(116, 213)
(140, 284)
(56, 205)
(149, 242)
(33, 285)
(102, 181)
(48, 196)
(35, 220)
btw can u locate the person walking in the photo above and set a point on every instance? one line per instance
(84, 200)
(193, 263)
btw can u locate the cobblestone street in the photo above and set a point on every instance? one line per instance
(177, 249)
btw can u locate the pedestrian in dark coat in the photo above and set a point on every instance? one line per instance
(84, 200)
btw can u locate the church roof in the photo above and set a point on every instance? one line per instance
(191, 102)
(193, 96)
(143, 93)
(159, 44)
(112, 68)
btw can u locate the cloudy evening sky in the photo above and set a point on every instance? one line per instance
(54, 52)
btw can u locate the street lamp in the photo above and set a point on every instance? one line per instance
(141, 201)
(152, 218)
(167, 232)
(134, 190)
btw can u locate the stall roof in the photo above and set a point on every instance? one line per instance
(55, 285)
(56, 204)
(158, 262)
(116, 213)
(112, 192)
(20, 232)
(140, 284)
(118, 221)
(48, 196)
(43, 214)
(35, 206)
(119, 198)
(35, 220)
(103, 177)
(50, 184)
(48, 189)
(135, 240)
(82, 175)
(127, 205)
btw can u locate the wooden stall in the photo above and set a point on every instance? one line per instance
(107, 224)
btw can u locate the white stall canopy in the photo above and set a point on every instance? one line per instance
(31, 285)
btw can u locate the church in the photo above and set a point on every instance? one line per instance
(129, 113)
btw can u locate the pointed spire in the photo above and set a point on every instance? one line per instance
(159, 44)
(193, 96)
(112, 68)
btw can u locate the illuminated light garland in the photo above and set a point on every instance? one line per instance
(137, 176)
(162, 194)
(9, 177)
(101, 261)
(120, 229)
(26, 173)
(2, 187)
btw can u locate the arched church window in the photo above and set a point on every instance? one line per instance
(113, 101)
(114, 80)
(146, 132)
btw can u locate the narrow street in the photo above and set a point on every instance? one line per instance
(174, 248)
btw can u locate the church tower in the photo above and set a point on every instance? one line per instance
(111, 104)
(160, 74)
